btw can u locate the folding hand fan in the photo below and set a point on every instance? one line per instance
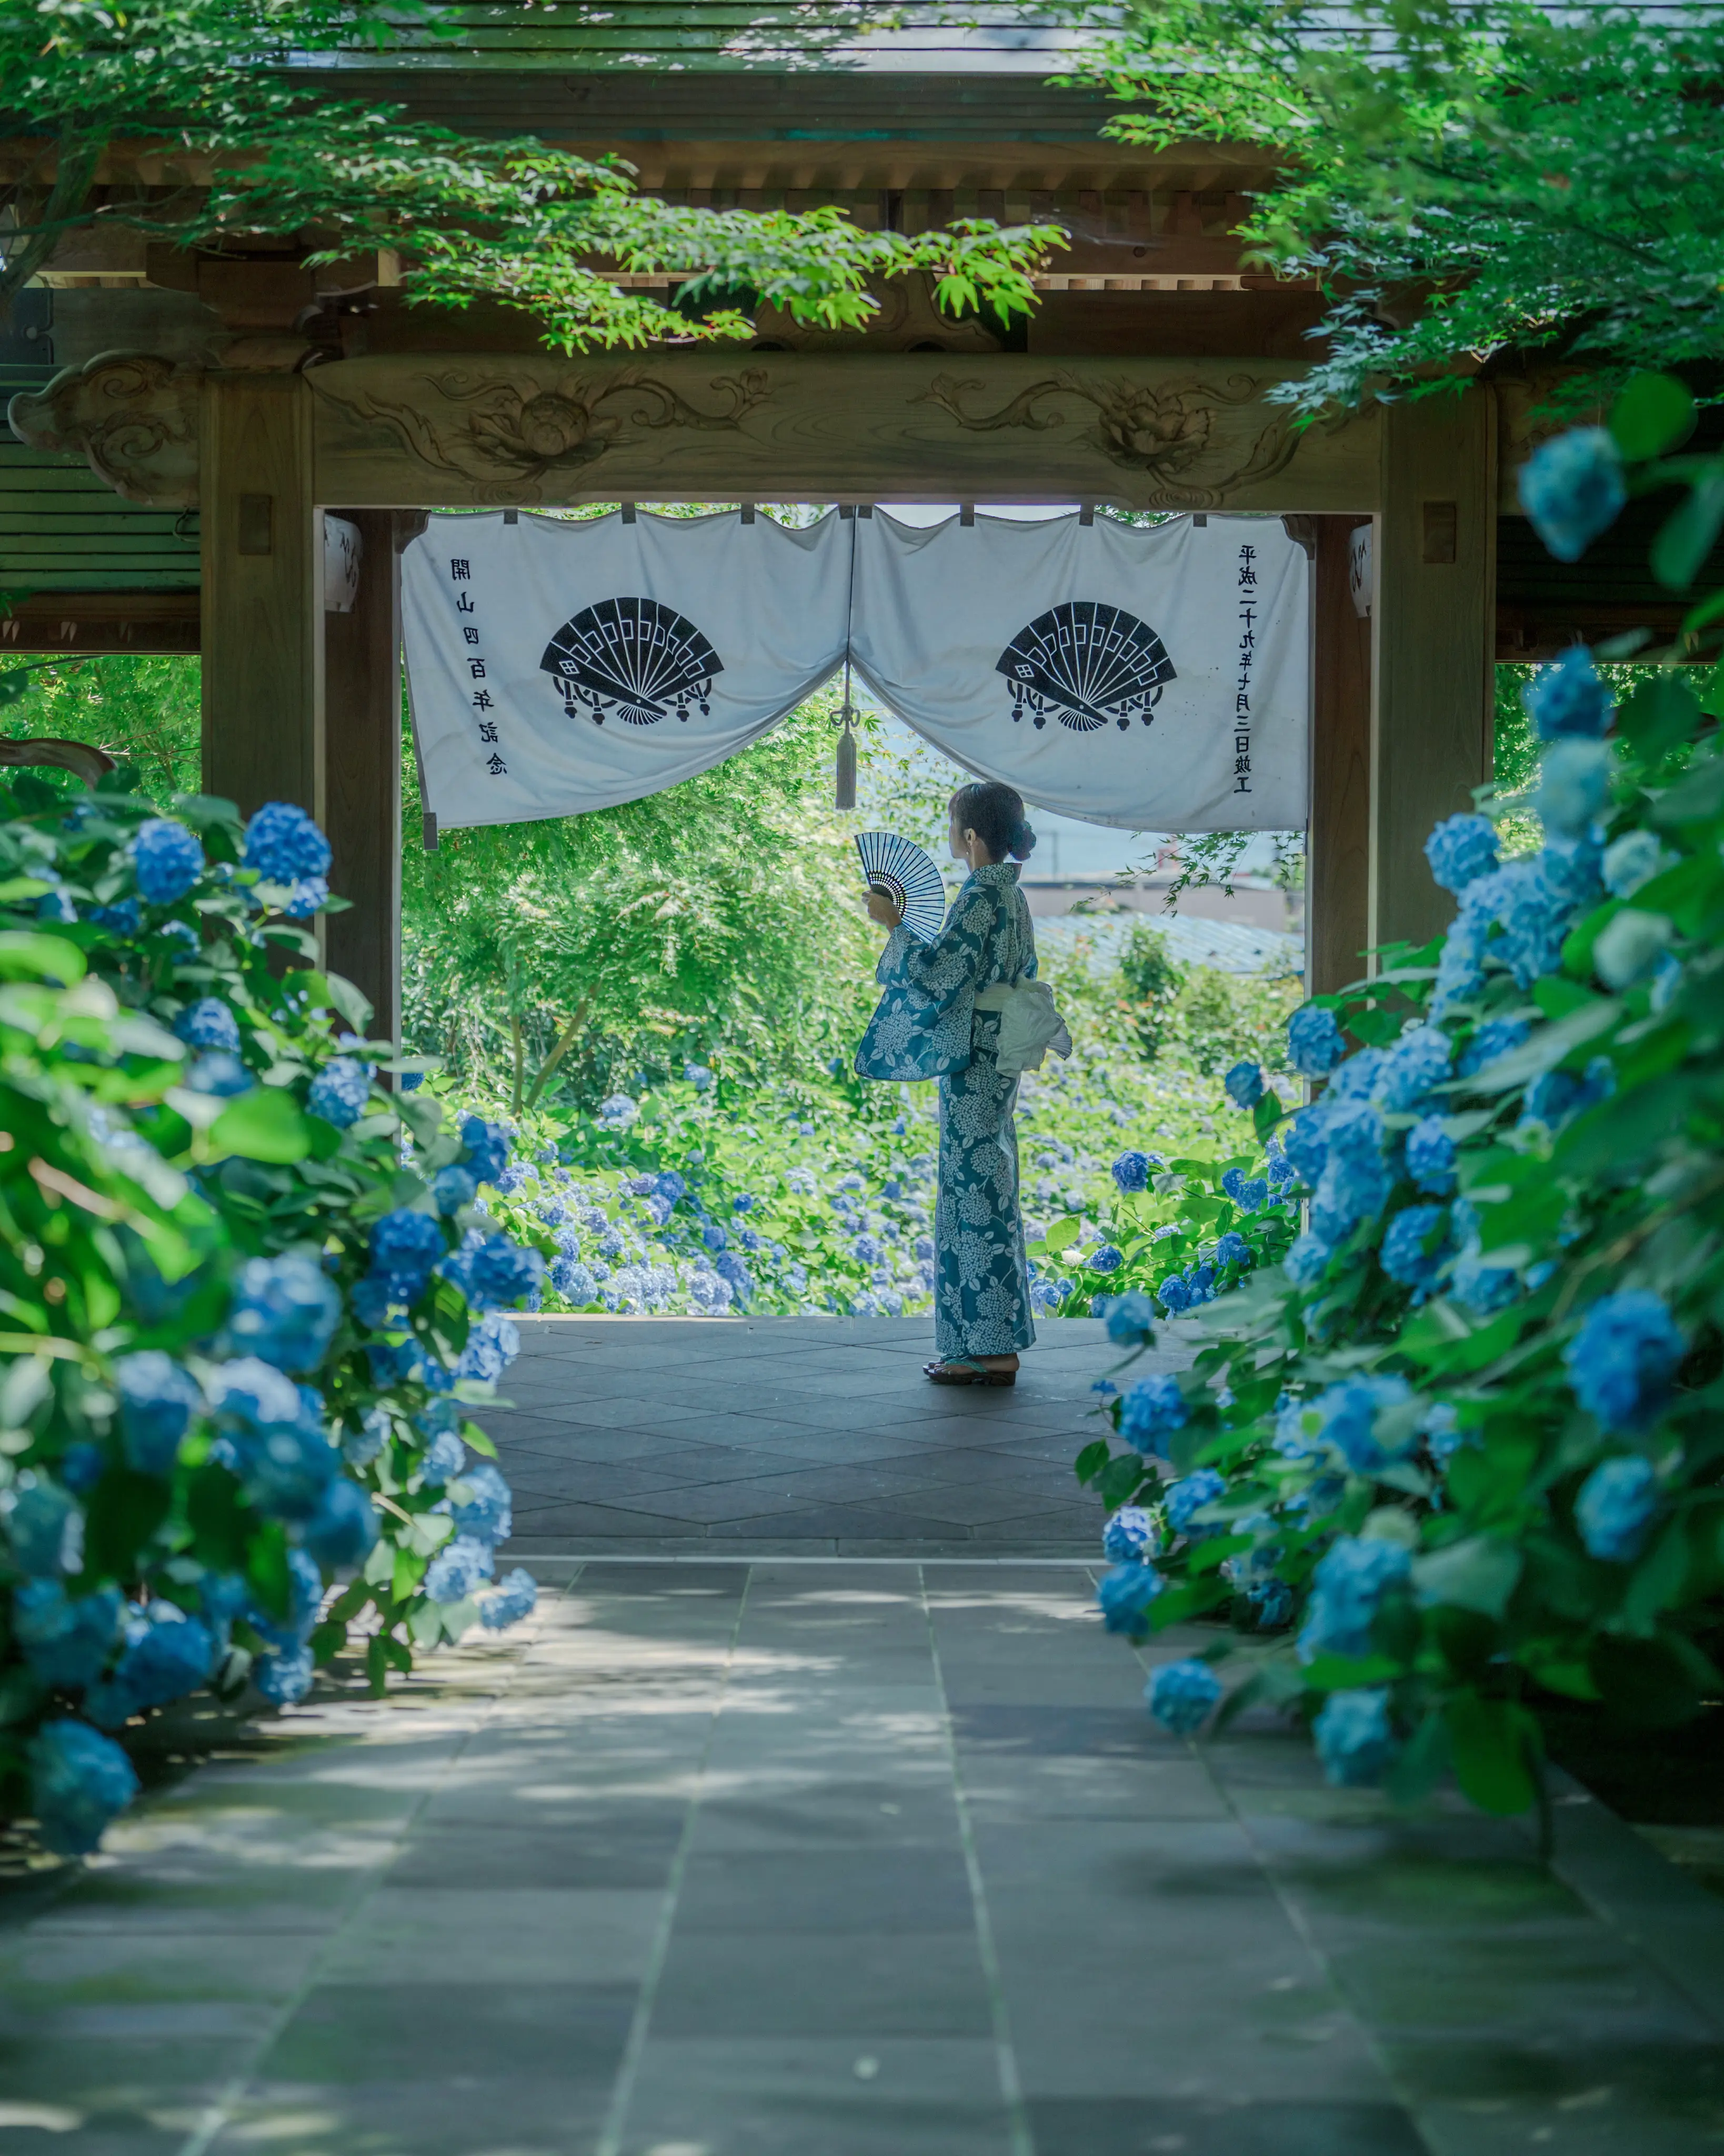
(905, 872)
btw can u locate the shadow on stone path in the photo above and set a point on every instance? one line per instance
(838, 1859)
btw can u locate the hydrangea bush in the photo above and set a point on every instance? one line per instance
(1457, 1455)
(247, 1299)
(708, 1195)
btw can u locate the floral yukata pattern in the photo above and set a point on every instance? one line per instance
(928, 1026)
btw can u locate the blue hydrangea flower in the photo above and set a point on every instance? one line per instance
(57, 906)
(671, 1186)
(445, 1456)
(458, 1569)
(220, 1076)
(1182, 1696)
(1356, 1179)
(66, 1639)
(1129, 1317)
(1348, 1588)
(1416, 1248)
(80, 1780)
(1307, 1260)
(1248, 1195)
(157, 1401)
(1573, 784)
(516, 1597)
(45, 1528)
(1130, 1535)
(1617, 1504)
(492, 1345)
(339, 1092)
(730, 1267)
(1572, 488)
(453, 1187)
(1555, 1097)
(1417, 1062)
(699, 1076)
(503, 1274)
(360, 1446)
(209, 1024)
(716, 1237)
(572, 1280)
(1461, 850)
(1355, 1739)
(486, 1147)
(1349, 1412)
(405, 1245)
(1243, 1085)
(618, 1112)
(1174, 1294)
(122, 918)
(343, 1531)
(1152, 1409)
(1569, 698)
(1189, 1496)
(1107, 1259)
(1497, 1037)
(743, 1201)
(286, 1469)
(1233, 1250)
(284, 845)
(167, 1655)
(1124, 1594)
(1431, 1157)
(1622, 1363)
(1633, 860)
(166, 859)
(284, 1310)
(283, 1674)
(1481, 1286)
(1315, 1045)
(1131, 1172)
(482, 1504)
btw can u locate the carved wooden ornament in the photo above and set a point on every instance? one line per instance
(133, 416)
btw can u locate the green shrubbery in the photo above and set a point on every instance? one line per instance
(1459, 1454)
(247, 1297)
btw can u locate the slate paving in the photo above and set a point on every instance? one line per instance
(794, 1436)
(803, 1856)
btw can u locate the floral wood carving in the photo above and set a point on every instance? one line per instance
(131, 415)
(1197, 440)
(508, 432)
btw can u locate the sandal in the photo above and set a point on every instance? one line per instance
(960, 1370)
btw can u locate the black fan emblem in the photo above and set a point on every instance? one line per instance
(635, 657)
(1087, 664)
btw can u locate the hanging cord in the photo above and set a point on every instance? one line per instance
(843, 789)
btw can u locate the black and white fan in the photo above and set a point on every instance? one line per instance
(909, 875)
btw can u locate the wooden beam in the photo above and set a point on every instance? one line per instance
(361, 701)
(1338, 867)
(1433, 646)
(263, 608)
(82, 622)
(405, 430)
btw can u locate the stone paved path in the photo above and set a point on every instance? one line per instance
(793, 1434)
(830, 1858)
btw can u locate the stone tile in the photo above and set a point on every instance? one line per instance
(575, 1523)
(798, 1984)
(628, 1845)
(421, 1935)
(463, 2113)
(1115, 2126)
(819, 2097)
(386, 2031)
(879, 1522)
(895, 1890)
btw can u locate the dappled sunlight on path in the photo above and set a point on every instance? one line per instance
(836, 1858)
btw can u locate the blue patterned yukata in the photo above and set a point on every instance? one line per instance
(928, 1026)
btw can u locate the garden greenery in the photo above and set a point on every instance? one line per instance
(248, 135)
(248, 1297)
(1457, 1455)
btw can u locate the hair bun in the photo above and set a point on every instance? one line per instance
(1022, 841)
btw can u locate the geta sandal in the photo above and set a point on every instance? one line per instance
(960, 1370)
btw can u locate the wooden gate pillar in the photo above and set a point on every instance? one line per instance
(1338, 870)
(1434, 643)
(362, 706)
(263, 597)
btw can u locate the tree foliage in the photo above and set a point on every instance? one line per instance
(1461, 175)
(242, 140)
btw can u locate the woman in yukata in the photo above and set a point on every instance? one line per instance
(928, 1026)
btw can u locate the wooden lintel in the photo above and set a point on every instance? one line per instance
(529, 430)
